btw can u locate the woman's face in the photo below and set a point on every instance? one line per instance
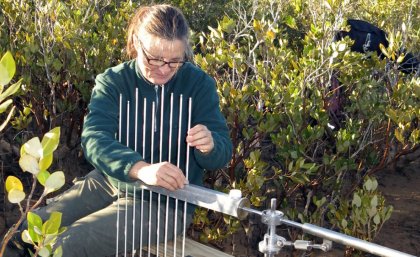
(159, 59)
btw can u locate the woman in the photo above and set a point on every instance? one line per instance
(159, 72)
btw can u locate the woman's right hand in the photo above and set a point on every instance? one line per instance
(163, 174)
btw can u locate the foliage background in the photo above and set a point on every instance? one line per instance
(273, 60)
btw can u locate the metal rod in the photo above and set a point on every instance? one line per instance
(118, 220)
(178, 164)
(126, 185)
(141, 221)
(142, 190)
(175, 224)
(166, 226)
(120, 121)
(127, 141)
(125, 220)
(353, 242)
(144, 126)
(162, 101)
(187, 165)
(136, 120)
(339, 237)
(150, 223)
(178, 161)
(152, 146)
(134, 222)
(118, 195)
(169, 160)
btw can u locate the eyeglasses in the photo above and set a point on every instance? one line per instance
(160, 62)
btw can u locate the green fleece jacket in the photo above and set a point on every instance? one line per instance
(125, 123)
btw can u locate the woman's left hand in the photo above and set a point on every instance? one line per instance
(200, 137)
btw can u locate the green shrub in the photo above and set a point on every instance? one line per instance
(36, 157)
(276, 63)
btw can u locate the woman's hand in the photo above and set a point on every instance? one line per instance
(162, 174)
(200, 137)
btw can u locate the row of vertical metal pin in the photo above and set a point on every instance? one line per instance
(181, 119)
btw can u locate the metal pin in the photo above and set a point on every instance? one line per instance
(118, 195)
(150, 223)
(142, 190)
(175, 225)
(162, 100)
(125, 220)
(126, 185)
(134, 222)
(136, 120)
(118, 219)
(141, 222)
(152, 146)
(187, 165)
(169, 159)
(178, 163)
(120, 121)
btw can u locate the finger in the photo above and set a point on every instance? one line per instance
(167, 181)
(179, 178)
(201, 137)
(174, 176)
(166, 185)
(196, 129)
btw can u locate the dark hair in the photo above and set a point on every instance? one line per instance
(163, 21)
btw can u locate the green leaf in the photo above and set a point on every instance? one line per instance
(10, 90)
(50, 239)
(372, 211)
(374, 201)
(344, 223)
(34, 220)
(34, 226)
(374, 184)
(5, 105)
(33, 147)
(50, 141)
(15, 195)
(58, 252)
(377, 219)
(54, 182)
(26, 237)
(28, 163)
(357, 200)
(44, 252)
(291, 22)
(13, 182)
(398, 134)
(7, 68)
(368, 185)
(52, 225)
(45, 162)
(42, 176)
(9, 116)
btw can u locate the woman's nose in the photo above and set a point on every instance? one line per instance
(165, 69)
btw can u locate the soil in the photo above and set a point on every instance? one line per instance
(399, 183)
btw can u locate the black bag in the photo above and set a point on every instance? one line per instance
(367, 38)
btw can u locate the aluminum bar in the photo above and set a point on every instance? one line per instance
(204, 197)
